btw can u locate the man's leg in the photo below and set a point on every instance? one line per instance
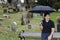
(43, 36)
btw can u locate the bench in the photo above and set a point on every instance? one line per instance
(36, 34)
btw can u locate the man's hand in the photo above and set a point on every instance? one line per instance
(41, 27)
(49, 37)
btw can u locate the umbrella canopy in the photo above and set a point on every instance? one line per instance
(39, 9)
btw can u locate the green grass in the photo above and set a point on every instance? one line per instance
(7, 34)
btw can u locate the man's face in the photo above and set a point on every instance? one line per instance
(47, 17)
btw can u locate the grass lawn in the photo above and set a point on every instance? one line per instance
(7, 34)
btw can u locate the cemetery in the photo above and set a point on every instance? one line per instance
(20, 21)
(34, 27)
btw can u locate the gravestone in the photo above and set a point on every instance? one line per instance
(58, 25)
(30, 15)
(5, 13)
(58, 19)
(13, 10)
(29, 26)
(14, 26)
(10, 10)
(24, 19)
(23, 8)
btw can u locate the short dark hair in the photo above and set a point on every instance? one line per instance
(46, 14)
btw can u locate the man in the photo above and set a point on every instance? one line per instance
(47, 27)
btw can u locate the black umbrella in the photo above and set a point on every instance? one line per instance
(39, 9)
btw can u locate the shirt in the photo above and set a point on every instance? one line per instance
(47, 26)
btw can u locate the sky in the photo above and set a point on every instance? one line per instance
(22, 1)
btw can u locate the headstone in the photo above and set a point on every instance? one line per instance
(58, 27)
(5, 13)
(18, 5)
(23, 9)
(31, 15)
(58, 19)
(25, 19)
(58, 10)
(29, 26)
(14, 26)
(10, 10)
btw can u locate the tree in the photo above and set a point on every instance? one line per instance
(56, 5)
(46, 2)
(52, 3)
(9, 1)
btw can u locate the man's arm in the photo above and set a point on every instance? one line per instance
(52, 32)
(41, 27)
(52, 28)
